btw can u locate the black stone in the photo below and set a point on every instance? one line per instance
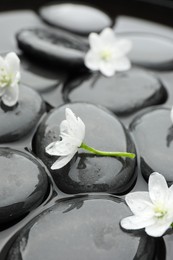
(87, 172)
(19, 120)
(151, 51)
(77, 18)
(82, 228)
(55, 49)
(123, 93)
(23, 184)
(153, 133)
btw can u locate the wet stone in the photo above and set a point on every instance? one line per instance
(46, 81)
(19, 120)
(13, 21)
(167, 250)
(60, 48)
(87, 172)
(38, 77)
(124, 24)
(153, 133)
(82, 228)
(23, 184)
(77, 18)
(151, 51)
(123, 93)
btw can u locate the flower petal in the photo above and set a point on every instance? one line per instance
(140, 203)
(158, 188)
(135, 222)
(171, 114)
(81, 131)
(72, 123)
(11, 95)
(157, 230)
(13, 63)
(108, 36)
(107, 53)
(71, 118)
(107, 69)
(62, 161)
(122, 64)
(94, 41)
(16, 79)
(124, 45)
(169, 202)
(64, 127)
(92, 60)
(72, 131)
(76, 127)
(60, 148)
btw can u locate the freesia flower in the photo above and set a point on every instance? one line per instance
(107, 53)
(152, 210)
(9, 79)
(72, 133)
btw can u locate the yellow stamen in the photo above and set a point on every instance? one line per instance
(160, 212)
(106, 55)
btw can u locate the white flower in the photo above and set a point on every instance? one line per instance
(107, 53)
(72, 132)
(171, 115)
(152, 210)
(9, 79)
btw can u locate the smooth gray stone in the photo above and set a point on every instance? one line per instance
(23, 184)
(13, 21)
(82, 228)
(47, 81)
(38, 77)
(131, 24)
(77, 18)
(124, 93)
(87, 172)
(166, 251)
(151, 50)
(55, 49)
(153, 133)
(19, 120)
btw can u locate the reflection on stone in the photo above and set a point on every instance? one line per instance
(124, 93)
(77, 18)
(91, 231)
(23, 117)
(151, 130)
(23, 184)
(56, 49)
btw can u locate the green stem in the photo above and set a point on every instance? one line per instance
(98, 152)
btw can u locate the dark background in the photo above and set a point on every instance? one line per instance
(154, 10)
